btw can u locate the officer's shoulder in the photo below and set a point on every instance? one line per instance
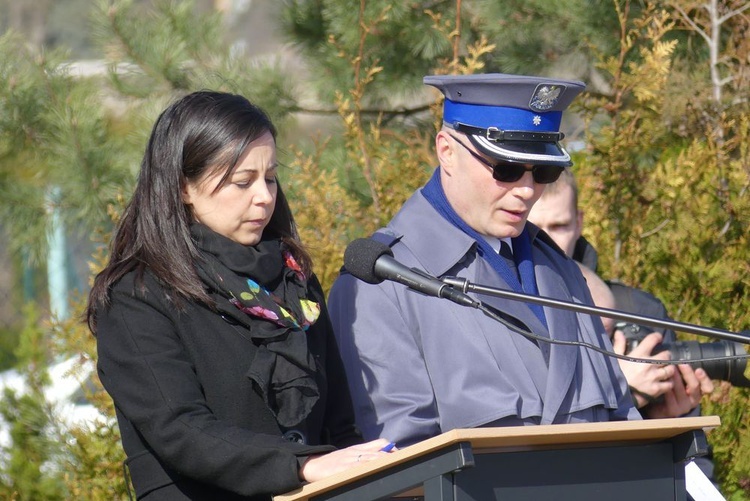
(386, 236)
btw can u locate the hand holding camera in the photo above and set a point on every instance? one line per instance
(728, 358)
(648, 382)
(660, 391)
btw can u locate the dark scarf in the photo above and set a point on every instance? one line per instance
(433, 192)
(266, 284)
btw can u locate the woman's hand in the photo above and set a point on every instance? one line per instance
(319, 467)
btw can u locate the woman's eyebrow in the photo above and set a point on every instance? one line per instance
(271, 167)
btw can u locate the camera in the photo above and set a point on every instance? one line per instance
(731, 370)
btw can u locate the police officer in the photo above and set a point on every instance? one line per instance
(419, 366)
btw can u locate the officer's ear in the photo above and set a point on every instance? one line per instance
(445, 148)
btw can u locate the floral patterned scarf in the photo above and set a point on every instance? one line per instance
(265, 283)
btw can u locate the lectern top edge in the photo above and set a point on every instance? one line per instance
(531, 437)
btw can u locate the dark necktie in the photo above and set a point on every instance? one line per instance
(507, 254)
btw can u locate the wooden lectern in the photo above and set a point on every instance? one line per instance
(623, 460)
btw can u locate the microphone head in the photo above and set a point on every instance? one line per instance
(360, 257)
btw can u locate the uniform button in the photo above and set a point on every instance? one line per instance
(295, 436)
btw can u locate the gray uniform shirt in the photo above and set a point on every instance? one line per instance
(418, 366)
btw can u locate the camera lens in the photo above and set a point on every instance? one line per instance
(732, 370)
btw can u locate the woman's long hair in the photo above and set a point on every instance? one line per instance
(202, 132)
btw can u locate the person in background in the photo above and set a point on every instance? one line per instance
(658, 390)
(212, 333)
(419, 366)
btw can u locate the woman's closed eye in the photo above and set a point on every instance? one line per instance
(245, 180)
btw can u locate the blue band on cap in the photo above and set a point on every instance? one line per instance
(502, 117)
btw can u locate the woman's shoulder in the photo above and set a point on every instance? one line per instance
(138, 284)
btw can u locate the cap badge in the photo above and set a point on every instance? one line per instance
(536, 120)
(545, 97)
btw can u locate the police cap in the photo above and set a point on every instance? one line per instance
(513, 118)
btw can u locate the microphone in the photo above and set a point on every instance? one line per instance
(372, 262)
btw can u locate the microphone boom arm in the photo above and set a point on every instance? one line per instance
(466, 286)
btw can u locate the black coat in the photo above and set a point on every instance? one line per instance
(192, 425)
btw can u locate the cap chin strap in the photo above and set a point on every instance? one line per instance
(504, 151)
(495, 134)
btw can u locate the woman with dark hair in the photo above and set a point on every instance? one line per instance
(212, 333)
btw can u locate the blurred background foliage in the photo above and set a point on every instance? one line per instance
(660, 140)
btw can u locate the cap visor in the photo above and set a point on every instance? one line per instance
(527, 152)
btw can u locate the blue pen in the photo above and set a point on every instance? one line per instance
(388, 447)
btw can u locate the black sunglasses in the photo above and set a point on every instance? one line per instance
(507, 172)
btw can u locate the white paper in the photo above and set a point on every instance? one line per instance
(699, 486)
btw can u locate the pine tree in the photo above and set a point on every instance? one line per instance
(671, 217)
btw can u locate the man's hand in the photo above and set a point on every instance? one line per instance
(688, 387)
(680, 387)
(648, 381)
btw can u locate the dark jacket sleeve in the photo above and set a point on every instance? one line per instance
(633, 300)
(144, 366)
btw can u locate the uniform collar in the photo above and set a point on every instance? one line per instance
(437, 244)
(496, 243)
